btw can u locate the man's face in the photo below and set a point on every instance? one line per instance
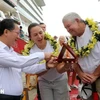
(37, 35)
(72, 27)
(12, 35)
(43, 26)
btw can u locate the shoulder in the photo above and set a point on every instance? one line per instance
(33, 49)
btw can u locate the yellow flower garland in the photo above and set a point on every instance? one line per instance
(53, 43)
(85, 50)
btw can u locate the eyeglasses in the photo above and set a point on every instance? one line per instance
(15, 31)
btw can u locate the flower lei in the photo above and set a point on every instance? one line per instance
(85, 50)
(53, 43)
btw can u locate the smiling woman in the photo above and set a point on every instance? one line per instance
(47, 37)
(43, 42)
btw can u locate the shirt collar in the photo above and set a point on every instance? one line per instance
(4, 46)
(85, 32)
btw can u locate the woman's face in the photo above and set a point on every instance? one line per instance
(37, 35)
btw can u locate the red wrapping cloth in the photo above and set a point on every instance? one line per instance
(95, 96)
(19, 46)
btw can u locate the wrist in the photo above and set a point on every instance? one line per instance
(96, 75)
(80, 73)
(47, 66)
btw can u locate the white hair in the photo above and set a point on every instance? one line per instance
(71, 16)
(62, 38)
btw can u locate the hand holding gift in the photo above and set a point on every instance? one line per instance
(66, 63)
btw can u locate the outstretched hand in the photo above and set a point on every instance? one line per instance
(63, 67)
(47, 56)
(52, 63)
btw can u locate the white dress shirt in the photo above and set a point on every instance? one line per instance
(52, 74)
(11, 66)
(92, 61)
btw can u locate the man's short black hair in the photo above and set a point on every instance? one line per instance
(41, 23)
(7, 24)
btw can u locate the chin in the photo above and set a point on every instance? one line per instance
(39, 42)
(42, 41)
(13, 44)
(74, 34)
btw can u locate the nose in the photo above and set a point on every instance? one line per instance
(67, 29)
(39, 35)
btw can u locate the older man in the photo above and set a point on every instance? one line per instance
(86, 44)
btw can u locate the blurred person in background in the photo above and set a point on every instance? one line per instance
(21, 33)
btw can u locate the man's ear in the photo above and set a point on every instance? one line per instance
(6, 32)
(77, 20)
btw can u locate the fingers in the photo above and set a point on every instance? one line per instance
(60, 67)
(93, 78)
(63, 67)
(52, 60)
(52, 63)
(87, 78)
(47, 56)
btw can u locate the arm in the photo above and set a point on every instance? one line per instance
(35, 69)
(77, 68)
(97, 72)
(14, 60)
(38, 68)
(63, 67)
(85, 77)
